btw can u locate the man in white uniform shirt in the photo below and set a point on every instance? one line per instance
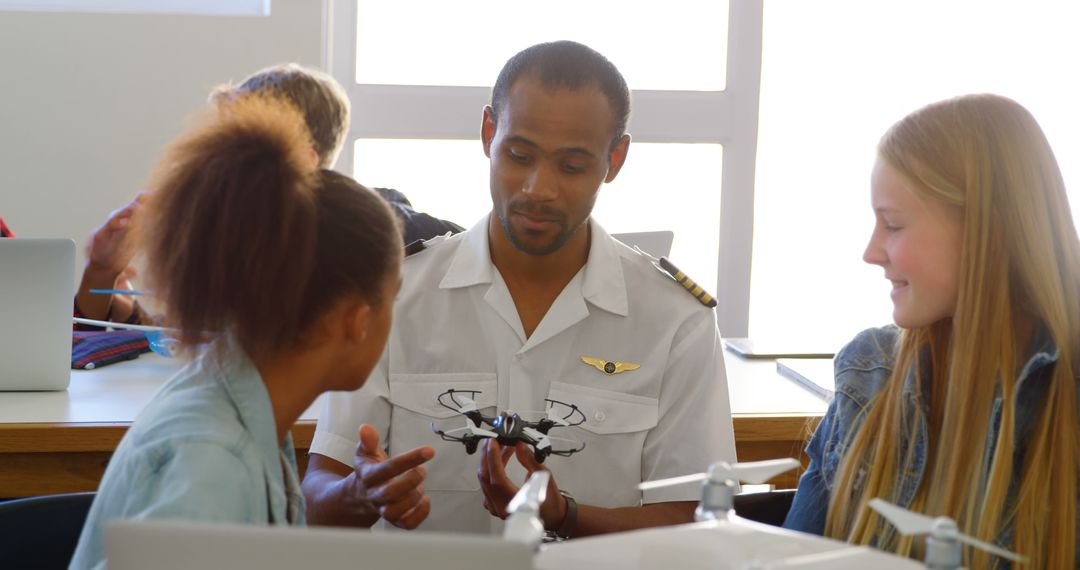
(509, 308)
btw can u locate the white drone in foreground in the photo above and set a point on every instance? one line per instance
(721, 540)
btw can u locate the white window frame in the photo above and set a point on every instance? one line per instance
(726, 117)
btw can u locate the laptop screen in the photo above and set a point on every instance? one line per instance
(657, 244)
(37, 282)
(175, 545)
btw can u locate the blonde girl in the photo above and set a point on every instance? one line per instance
(968, 407)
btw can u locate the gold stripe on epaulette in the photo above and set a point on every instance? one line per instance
(689, 284)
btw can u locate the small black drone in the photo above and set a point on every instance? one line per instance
(508, 428)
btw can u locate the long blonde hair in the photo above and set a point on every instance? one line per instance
(1019, 271)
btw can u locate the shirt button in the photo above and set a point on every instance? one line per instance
(599, 415)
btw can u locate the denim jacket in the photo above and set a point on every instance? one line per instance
(863, 368)
(205, 448)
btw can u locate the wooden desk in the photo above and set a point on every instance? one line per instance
(774, 417)
(60, 442)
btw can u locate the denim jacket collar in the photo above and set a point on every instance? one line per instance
(1043, 353)
(243, 384)
(863, 369)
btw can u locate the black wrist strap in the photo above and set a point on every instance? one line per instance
(570, 521)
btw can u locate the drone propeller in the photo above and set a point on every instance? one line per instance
(542, 440)
(943, 528)
(523, 522)
(469, 405)
(532, 493)
(749, 472)
(468, 430)
(553, 415)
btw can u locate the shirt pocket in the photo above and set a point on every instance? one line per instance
(608, 411)
(616, 425)
(416, 407)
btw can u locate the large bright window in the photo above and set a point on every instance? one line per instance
(680, 45)
(420, 71)
(835, 75)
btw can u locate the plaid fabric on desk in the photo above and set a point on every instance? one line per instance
(94, 349)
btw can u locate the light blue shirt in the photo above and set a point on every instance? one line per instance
(204, 449)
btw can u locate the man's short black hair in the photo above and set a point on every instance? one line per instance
(567, 65)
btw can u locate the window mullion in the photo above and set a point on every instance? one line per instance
(740, 161)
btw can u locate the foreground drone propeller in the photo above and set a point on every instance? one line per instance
(721, 483)
(753, 472)
(943, 537)
(523, 523)
(509, 428)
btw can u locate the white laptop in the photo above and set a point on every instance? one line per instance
(657, 244)
(37, 282)
(176, 545)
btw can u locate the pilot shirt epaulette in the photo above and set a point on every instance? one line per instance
(682, 279)
(422, 244)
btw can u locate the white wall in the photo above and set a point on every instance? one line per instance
(87, 101)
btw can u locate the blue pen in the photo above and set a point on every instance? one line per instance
(120, 292)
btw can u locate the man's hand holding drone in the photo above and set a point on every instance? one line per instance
(498, 488)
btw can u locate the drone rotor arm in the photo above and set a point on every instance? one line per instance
(565, 452)
(446, 436)
(463, 434)
(480, 432)
(548, 444)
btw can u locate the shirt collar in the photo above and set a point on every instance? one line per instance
(471, 264)
(1043, 350)
(603, 281)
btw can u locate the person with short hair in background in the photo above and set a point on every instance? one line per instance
(325, 107)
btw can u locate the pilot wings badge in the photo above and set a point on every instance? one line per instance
(608, 367)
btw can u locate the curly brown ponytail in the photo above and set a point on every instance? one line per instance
(246, 236)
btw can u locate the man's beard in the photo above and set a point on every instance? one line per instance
(540, 211)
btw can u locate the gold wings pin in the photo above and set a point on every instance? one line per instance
(608, 367)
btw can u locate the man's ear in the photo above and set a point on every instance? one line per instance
(617, 157)
(487, 129)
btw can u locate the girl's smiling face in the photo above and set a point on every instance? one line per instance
(917, 240)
